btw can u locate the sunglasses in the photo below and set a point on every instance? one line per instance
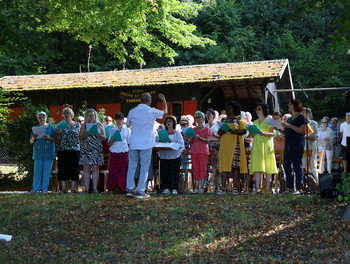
(197, 117)
(184, 124)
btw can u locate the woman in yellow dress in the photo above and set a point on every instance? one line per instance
(262, 160)
(232, 156)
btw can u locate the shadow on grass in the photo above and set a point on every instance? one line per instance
(183, 229)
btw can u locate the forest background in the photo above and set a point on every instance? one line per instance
(68, 36)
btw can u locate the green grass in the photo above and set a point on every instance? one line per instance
(185, 229)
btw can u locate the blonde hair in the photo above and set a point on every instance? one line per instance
(68, 109)
(87, 112)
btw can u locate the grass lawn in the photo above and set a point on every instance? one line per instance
(109, 228)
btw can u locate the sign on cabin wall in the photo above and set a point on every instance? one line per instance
(134, 95)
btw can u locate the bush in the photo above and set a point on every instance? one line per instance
(344, 187)
(81, 112)
(18, 135)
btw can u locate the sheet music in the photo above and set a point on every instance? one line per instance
(40, 131)
(273, 123)
(171, 145)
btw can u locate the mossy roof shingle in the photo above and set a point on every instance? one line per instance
(148, 77)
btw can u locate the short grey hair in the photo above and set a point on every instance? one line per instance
(145, 98)
(197, 113)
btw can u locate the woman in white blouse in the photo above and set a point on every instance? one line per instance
(170, 161)
(214, 140)
(325, 144)
(118, 163)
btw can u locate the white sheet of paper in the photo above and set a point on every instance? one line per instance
(40, 131)
(171, 145)
(273, 123)
(112, 131)
(5, 237)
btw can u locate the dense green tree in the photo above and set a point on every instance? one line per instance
(27, 51)
(221, 21)
(340, 20)
(56, 36)
(126, 27)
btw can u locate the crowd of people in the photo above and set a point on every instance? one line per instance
(246, 151)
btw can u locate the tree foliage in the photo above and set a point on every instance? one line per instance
(221, 21)
(340, 19)
(25, 50)
(126, 27)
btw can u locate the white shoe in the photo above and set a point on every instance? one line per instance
(194, 191)
(200, 191)
(141, 195)
(174, 191)
(218, 192)
(166, 191)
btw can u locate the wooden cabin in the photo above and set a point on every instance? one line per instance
(186, 88)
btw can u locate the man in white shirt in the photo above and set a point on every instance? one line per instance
(345, 132)
(142, 140)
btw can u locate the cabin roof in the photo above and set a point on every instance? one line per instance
(271, 71)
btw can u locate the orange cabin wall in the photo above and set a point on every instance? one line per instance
(111, 109)
(189, 107)
(56, 112)
(14, 112)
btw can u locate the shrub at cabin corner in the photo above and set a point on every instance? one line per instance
(18, 135)
(344, 188)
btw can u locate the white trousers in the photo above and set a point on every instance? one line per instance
(326, 159)
(144, 155)
(313, 164)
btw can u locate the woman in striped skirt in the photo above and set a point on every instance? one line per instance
(91, 135)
